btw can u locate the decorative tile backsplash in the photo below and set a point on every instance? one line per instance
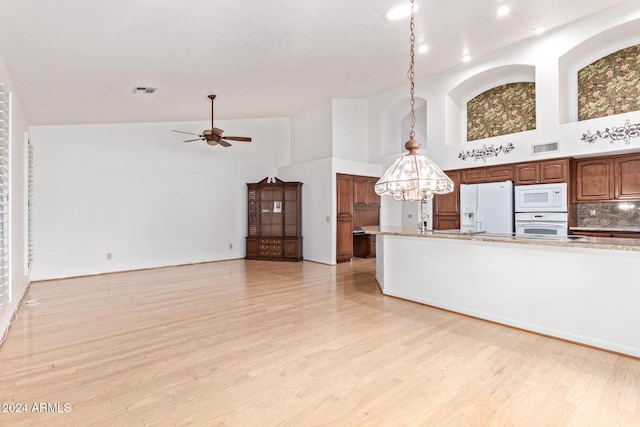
(503, 110)
(610, 85)
(609, 215)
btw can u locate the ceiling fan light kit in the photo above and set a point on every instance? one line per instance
(214, 136)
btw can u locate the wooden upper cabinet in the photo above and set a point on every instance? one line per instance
(543, 172)
(448, 204)
(499, 173)
(527, 173)
(627, 177)
(594, 179)
(373, 199)
(472, 176)
(364, 191)
(552, 171)
(486, 174)
(360, 191)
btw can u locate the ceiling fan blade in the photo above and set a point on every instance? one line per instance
(188, 133)
(191, 140)
(238, 138)
(217, 131)
(224, 143)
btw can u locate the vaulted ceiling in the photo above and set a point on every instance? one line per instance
(78, 61)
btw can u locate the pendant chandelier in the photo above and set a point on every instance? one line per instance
(413, 176)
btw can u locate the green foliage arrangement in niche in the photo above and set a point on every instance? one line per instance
(503, 110)
(610, 85)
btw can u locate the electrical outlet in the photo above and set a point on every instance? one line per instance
(230, 245)
(592, 212)
(328, 219)
(109, 256)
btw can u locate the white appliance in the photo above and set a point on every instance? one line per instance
(542, 224)
(541, 198)
(487, 207)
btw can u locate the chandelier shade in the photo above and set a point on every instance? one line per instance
(413, 177)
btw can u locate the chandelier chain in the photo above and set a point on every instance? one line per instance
(411, 74)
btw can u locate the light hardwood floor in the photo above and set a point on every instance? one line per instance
(255, 343)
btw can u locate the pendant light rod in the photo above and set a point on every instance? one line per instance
(411, 74)
(413, 176)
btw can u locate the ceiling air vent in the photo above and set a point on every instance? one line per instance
(144, 89)
(544, 148)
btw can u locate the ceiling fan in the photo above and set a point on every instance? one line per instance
(214, 136)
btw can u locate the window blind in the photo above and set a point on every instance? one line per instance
(29, 205)
(5, 121)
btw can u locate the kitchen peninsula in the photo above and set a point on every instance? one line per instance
(583, 290)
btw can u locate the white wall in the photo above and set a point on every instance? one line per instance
(349, 125)
(18, 278)
(311, 134)
(317, 207)
(136, 191)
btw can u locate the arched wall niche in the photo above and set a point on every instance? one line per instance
(585, 53)
(396, 125)
(457, 98)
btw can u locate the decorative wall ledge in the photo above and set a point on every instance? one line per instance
(486, 152)
(623, 133)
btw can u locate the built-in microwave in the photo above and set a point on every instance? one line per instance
(541, 198)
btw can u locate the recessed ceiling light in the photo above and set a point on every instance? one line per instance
(423, 48)
(503, 10)
(400, 11)
(539, 30)
(466, 58)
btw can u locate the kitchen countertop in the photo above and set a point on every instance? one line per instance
(612, 229)
(609, 243)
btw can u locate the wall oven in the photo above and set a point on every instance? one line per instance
(541, 210)
(541, 224)
(541, 198)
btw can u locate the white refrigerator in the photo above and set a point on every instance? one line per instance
(487, 207)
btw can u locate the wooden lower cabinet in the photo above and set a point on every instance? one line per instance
(274, 248)
(446, 222)
(252, 248)
(446, 207)
(364, 245)
(617, 234)
(344, 241)
(270, 248)
(292, 248)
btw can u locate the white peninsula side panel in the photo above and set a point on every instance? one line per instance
(582, 294)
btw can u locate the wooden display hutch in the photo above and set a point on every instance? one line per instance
(274, 220)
